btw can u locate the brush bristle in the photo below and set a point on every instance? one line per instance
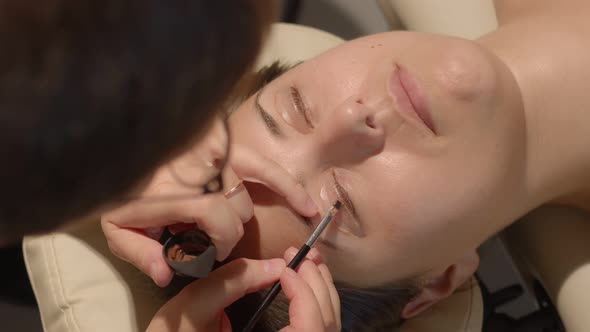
(338, 204)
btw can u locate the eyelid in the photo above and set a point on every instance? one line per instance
(300, 105)
(343, 196)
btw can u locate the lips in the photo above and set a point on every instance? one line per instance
(411, 101)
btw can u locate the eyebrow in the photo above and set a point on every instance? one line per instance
(270, 123)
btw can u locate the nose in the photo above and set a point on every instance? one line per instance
(352, 132)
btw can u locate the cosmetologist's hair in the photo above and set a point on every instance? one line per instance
(95, 94)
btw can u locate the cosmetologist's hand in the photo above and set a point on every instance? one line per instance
(133, 230)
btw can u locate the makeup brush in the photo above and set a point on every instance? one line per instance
(276, 288)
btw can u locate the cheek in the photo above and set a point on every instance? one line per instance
(247, 130)
(273, 229)
(270, 234)
(261, 241)
(462, 81)
(427, 197)
(244, 129)
(463, 71)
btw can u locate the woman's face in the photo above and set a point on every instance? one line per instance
(416, 134)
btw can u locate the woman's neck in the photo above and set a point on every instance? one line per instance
(550, 59)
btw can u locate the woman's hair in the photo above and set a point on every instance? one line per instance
(362, 309)
(95, 94)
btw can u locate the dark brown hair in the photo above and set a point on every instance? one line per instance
(372, 309)
(362, 309)
(95, 94)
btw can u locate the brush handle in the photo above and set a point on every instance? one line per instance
(294, 263)
(275, 289)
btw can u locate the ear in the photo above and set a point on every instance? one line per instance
(442, 285)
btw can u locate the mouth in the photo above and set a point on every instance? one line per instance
(411, 101)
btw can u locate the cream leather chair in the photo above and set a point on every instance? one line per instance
(553, 242)
(460, 18)
(81, 287)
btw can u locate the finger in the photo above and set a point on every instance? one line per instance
(212, 213)
(237, 194)
(256, 168)
(221, 222)
(313, 255)
(155, 213)
(231, 282)
(200, 305)
(154, 233)
(334, 297)
(312, 275)
(304, 310)
(139, 250)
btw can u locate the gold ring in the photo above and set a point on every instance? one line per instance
(234, 190)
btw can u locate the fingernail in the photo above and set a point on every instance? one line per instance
(313, 254)
(291, 252)
(310, 206)
(326, 271)
(274, 266)
(221, 255)
(155, 273)
(238, 188)
(290, 273)
(240, 230)
(240, 200)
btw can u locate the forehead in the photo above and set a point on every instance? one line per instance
(396, 43)
(343, 66)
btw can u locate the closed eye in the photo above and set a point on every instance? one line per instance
(344, 197)
(325, 242)
(300, 105)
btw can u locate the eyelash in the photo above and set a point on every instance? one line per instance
(338, 190)
(337, 187)
(299, 104)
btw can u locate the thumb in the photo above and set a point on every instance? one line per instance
(253, 167)
(140, 250)
(231, 282)
(200, 306)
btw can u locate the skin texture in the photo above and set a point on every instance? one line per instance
(510, 112)
(396, 172)
(314, 303)
(220, 216)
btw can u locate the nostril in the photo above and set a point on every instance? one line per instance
(370, 122)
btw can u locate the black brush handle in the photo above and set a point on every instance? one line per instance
(275, 289)
(294, 263)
